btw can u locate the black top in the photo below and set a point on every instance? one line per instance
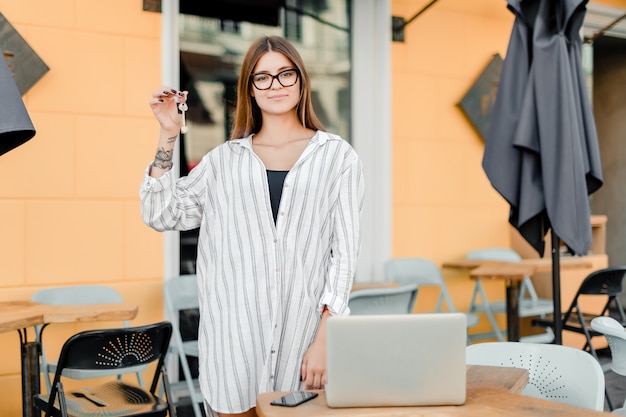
(275, 180)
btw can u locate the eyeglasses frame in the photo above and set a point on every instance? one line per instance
(275, 77)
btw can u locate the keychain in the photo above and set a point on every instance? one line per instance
(183, 108)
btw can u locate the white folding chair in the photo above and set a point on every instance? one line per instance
(530, 305)
(74, 295)
(557, 373)
(424, 272)
(181, 293)
(615, 335)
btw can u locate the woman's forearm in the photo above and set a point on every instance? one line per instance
(163, 160)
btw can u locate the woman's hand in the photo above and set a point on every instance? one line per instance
(164, 104)
(313, 371)
(314, 366)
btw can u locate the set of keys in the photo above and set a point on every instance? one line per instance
(183, 108)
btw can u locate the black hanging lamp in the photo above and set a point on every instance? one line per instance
(15, 124)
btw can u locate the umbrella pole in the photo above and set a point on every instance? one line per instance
(556, 288)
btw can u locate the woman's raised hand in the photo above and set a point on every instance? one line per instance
(164, 104)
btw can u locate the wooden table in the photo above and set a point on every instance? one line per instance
(357, 286)
(19, 315)
(513, 273)
(491, 392)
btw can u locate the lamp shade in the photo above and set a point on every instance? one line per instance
(15, 124)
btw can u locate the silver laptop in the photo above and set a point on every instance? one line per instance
(396, 360)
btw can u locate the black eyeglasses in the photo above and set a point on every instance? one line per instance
(286, 78)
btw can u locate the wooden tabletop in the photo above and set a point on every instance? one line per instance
(534, 264)
(480, 402)
(16, 315)
(491, 391)
(373, 284)
(498, 377)
(565, 262)
(517, 271)
(86, 313)
(510, 271)
(466, 264)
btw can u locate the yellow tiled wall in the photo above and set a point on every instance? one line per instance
(69, 196)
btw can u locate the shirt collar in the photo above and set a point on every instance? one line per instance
(320, 138)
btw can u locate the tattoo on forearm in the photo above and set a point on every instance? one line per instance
(172, 139)
(163, 159)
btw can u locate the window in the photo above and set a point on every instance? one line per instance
(211, 51)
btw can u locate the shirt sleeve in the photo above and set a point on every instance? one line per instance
(346, 243)
(168, 203)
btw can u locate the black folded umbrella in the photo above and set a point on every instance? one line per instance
(541, 150)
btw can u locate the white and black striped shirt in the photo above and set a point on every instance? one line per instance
(262, 284)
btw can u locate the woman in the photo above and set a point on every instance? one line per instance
(278, 207)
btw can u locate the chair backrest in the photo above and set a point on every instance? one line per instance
(505, 255)
(605, 282)
(79, 294)
(615, 335)
(121, 349)
(73, 295)
(420, 271)
(181, 292)
(494, 254)
(387, 300)
(555, 372)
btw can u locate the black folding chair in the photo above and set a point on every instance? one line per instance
(120, 349)
(604, 283)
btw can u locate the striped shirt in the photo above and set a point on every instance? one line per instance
(262, 285)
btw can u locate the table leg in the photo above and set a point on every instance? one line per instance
(512, 309)
(30, 377)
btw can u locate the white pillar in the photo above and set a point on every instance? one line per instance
(170, 57)
(371, 129)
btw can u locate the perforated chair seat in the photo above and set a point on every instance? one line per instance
(557, 373)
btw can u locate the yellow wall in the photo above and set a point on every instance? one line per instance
(69, 197)
(443, 204)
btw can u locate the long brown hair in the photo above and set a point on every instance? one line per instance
(248, 118)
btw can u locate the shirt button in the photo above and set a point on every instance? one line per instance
(275, 240)
(277, 269)
(286, 185)
(273, 350)
(282, 213)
